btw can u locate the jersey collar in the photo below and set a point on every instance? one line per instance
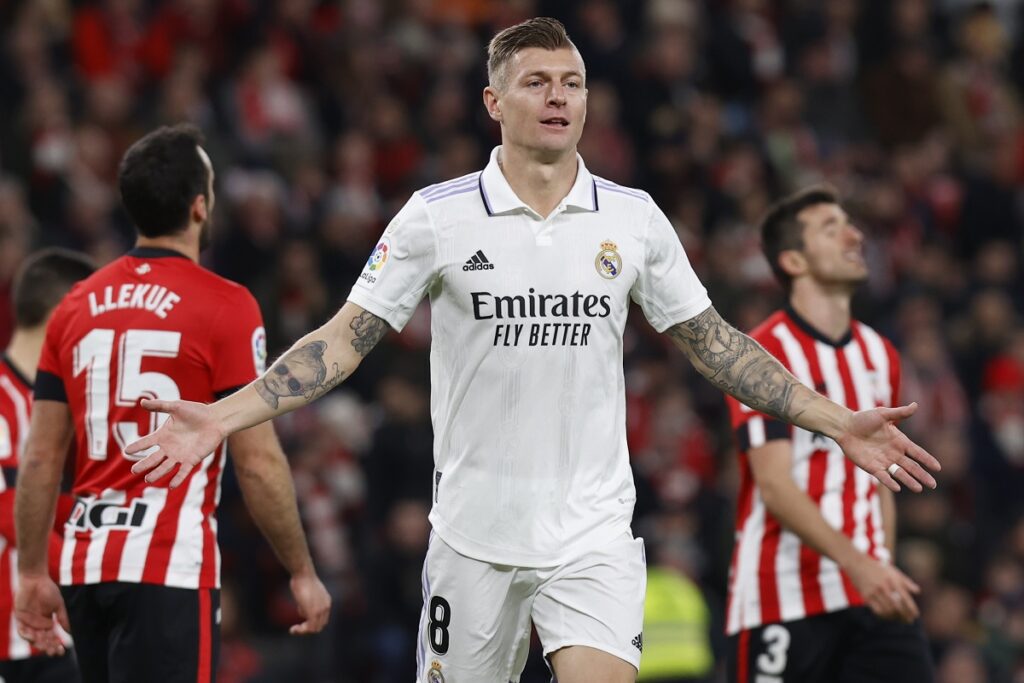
(499, 198)
(154, 252)
(814, 333)
(14, 370)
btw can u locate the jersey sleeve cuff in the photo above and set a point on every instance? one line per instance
(49, 387)
(773, 429)
(368, 303)
(689, 311)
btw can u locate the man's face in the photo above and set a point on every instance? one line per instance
(206, 231)
(544, 101)
(833, 246)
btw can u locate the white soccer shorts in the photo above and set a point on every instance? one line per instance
(475, 623)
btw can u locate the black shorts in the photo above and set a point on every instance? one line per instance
(849, 646)
(132, 632)
(40, 669)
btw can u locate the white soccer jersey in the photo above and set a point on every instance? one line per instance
(528, 401)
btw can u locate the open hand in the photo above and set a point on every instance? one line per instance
(874, 443)
(189, 434)
(38, 608)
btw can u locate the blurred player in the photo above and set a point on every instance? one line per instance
(41, 283)
(530, 266)
(813, 595)
(140, 567)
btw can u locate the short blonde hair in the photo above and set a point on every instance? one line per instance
(543, 32)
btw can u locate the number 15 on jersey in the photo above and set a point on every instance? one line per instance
(93, 356)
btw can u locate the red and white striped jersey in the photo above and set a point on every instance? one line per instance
(774, 577)
(15, 409)
(152, 324)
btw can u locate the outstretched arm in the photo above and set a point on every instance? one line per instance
(269, 493)
(309, 369)
(741, 367)
(313, 366)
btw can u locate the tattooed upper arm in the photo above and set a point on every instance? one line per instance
(737, 364)
(367, 329)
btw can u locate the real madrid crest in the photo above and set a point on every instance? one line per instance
(608, 261)
(435, 675)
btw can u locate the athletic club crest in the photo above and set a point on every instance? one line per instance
(435, 675)
(608, 261)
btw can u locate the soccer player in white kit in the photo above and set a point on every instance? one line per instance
(530, 266)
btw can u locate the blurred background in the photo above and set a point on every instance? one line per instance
(322, 116)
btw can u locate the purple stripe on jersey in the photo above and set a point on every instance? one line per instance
(608, 185)
(624, 191)
(483, 195)
(595, 193)
(451, 193)
(438, 187)
(441, 187)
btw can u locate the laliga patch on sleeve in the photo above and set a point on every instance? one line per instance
(259, 350)
(375, 264)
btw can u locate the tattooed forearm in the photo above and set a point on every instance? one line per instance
(738, 365)
(368, 329)
(304, 371)
(269, 397)
(301, 372)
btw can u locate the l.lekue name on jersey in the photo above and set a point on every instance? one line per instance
(488, 306)
(154, 298)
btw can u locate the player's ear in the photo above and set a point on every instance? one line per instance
(793, 262)
(492, 104)
(200, 211)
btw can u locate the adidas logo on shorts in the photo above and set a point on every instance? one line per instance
(638, 641)
(478, 262)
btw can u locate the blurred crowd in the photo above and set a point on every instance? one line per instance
(322, 116)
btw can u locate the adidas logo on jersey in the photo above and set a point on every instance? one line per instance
(478, 262)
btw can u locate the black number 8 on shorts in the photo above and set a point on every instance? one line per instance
(440, 615)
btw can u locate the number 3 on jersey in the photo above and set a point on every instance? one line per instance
(93, 356)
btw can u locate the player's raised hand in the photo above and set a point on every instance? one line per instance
(313, 601)
(189, 434)
(38, 608)
(874, 443)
